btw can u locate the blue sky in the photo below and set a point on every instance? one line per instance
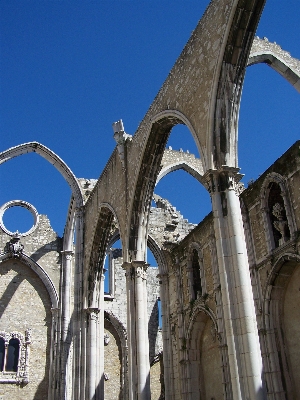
(69, 69)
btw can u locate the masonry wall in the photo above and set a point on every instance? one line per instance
(25, 304)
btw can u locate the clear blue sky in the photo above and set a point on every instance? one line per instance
(69, 69)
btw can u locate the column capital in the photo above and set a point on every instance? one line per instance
(68, 254)
(136, 268)
(224, 178)
(93, 312)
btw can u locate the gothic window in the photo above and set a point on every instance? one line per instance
(197, 287)
(12, 357)
(2, 354)
(14, 354)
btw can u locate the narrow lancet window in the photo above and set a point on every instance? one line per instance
(196, 275)
(2, 354)
(12, 355)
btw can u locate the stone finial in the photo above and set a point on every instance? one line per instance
(120, 137)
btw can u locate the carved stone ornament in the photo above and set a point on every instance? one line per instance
(281, 224)
(21, 376)
(106, 376)
(106, 339)
(14, 246)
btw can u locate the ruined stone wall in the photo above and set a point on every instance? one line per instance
(275, 275)
(43, 245)
(25, 305)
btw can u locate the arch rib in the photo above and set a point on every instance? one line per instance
(263, 51)
(52, 158)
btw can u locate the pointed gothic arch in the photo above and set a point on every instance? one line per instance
(161, 126)
(52, 158)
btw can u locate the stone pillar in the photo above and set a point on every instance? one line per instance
(100, 344)
(67, 256)
(79, 319)
(182, 348)
(92, 352)
(237, 298)
(137, 327)
(166, 334)
(53, 354)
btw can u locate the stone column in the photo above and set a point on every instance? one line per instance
(67, 256)
(79, 319)
(53, 354)
(92, 352)
(137, 327)
(100, 344)
(166, 334)
(237, 298)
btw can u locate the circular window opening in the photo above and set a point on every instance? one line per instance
(18, 218)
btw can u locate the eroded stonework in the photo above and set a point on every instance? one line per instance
(217, 317)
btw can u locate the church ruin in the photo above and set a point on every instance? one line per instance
(218, 318)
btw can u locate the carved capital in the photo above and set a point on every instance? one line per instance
(93, 313)
(136, 269)
(222, 179)
(68, 254)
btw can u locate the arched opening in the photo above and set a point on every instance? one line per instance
(180, 184)
(103, 234)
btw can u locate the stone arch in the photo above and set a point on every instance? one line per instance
(184, 165)
(42, 274)
(161, 126)
(175, 114)
(264, 197)
(206, 372)
(52, 158)
(263, 51)
(224, 107)
(276, 358)
(102, 235)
